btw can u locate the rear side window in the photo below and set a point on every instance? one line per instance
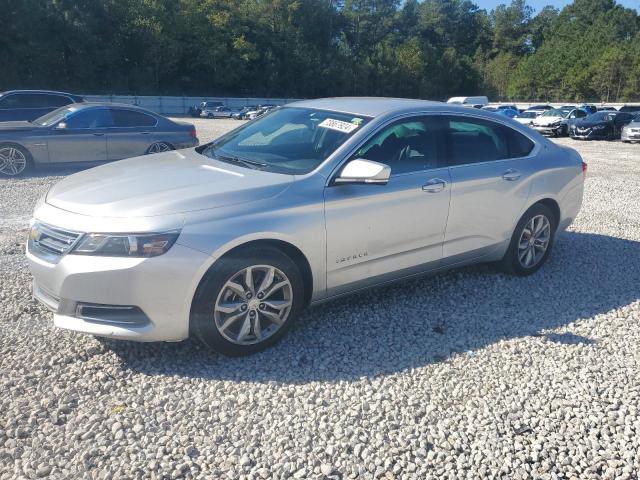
(55, 101)
(475, 140)
(131, 118)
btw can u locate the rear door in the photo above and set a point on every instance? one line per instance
(83, 138)
(132, 133)
(491, 167)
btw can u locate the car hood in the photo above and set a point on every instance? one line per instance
(17, 126)
(163, 184)
(544, 121)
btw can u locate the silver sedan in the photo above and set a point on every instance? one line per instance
(87, 133)
(229, 241)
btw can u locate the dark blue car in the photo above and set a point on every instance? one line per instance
(31, 104)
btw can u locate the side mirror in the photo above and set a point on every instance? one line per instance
(61, 126)
(364, 171)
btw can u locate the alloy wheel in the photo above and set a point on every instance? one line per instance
(534, 241)
(12, 161)
(253, 304)
(159, 147)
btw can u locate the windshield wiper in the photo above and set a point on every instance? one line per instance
(242, 161)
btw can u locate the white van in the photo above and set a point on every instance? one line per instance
(469, 100)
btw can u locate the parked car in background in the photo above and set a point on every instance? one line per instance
(527, 117)
(540, 107)
(607, 109)
(631, 131)
(196, 110)
(260, 111)
(630, 108)
(588, 108)
(242, 113)
(31, 104)
(600, 126)
(556, 122)
(217, 112)
(89, 132)
(469, 101)
(507, 107)
(230, 241)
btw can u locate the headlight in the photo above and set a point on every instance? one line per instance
(125, 245)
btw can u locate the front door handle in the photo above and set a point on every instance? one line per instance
(98, 134)
(434, 185)
(511, 175)
(144, 133)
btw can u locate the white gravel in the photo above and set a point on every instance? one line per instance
(469, 374)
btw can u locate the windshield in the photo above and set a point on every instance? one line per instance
(54, 117)
(602, 116)
(556, 112)
(528, 115)
(288, 140)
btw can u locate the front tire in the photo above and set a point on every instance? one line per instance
(531, 242)
(247, 301)
(15, 160)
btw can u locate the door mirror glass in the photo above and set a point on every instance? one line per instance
(61, 126)
(364, 171)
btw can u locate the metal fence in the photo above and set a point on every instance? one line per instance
(180, 105)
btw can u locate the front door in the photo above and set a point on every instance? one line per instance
(379, 232)
(81, 137)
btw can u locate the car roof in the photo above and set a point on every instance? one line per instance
(369, 106)
(85, 105)
(50, 92)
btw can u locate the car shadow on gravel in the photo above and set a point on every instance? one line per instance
(419, 322)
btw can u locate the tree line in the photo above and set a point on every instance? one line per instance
(589, 50)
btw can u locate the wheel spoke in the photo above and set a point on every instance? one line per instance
(274, 317)
(267, 280)
(237, 289)
(278, 304)
(229, 307)
(229, 321)
(257, 328)
(248, 280)
(274, 288)
(245, 329)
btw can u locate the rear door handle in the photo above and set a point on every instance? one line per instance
(512, 174)
(98, 134)
(434, 185)
(144, 133)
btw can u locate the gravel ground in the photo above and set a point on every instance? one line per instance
(470, 374)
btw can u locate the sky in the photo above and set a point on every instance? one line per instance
(538, 4)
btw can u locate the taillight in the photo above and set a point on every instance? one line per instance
(193, 134)
(584, 170)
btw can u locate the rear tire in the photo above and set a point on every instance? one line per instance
(531, 242)
(235, 313)
(159, 147)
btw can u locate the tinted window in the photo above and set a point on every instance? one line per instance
(474, 140)
(409, 145)
(98, 118)
(25, 100)
(55, 101)
(131, 118)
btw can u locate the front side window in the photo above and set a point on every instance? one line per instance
(55, 101)
(130, 118)
(289, 140)
(475, 140)
(97, 118)
(410, 145)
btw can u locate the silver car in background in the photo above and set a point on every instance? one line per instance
(231, 240)
(87, 133)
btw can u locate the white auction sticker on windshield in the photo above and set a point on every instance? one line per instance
(339, 125)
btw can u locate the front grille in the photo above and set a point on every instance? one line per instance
(50, 243)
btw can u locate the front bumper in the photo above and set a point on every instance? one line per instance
(548, 130)
(632, 135)
(590, 135)
(92, 295)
